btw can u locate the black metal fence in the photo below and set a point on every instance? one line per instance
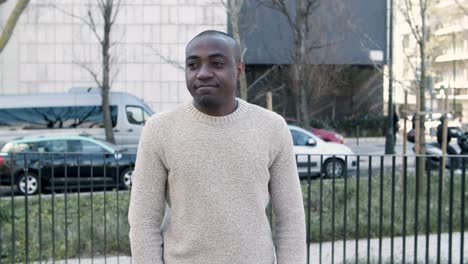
(380, 209)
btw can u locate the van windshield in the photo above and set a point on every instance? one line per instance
(61, 117)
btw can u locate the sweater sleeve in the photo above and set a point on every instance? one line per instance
(288, 207)
(147, 200)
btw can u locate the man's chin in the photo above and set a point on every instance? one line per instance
(208, 101)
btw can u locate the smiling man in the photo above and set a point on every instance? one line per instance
(206, 172)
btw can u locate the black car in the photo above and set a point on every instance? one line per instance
(49, 163)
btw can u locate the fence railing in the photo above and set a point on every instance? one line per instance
(359, 209)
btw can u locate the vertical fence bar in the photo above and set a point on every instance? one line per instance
(308, 207)
(26, 208)
(356, 253)
(462, 213)
(91, 208)
(416, 215)
(428, 210)
(40, 206)
(78, 163)
(405, 189)
(53, 206)
(369, 205)
(450, 214)
(1, 225)
(105, 208)
(333, 209)
(321, 209)
(439, 209)
(345, 209)
(392, 212)
(12, 190)
(66, 205)
(118, 207)
(381, 206)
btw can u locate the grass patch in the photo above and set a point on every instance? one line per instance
(58, 227)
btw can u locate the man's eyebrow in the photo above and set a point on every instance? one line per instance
(214, 55)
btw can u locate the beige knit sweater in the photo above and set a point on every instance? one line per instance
(217, 176)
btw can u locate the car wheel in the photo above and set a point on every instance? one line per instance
(126, 178)
(335, 165)
(28, 183)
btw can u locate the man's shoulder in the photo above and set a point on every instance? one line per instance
(166, 116)
(265, 116)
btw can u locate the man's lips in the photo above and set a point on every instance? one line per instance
(206, 86)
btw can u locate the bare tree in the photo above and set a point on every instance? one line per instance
(233, 8)
(7, 30)
(307, 79)
(415, 14)
(100, 21)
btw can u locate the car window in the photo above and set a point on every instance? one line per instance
(299, 138)
(89, 147)
(75, 146)
(52, 146)
(19, 147)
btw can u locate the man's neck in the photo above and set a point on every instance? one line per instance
(222, 110)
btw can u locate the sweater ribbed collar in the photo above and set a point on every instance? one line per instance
(218, 120)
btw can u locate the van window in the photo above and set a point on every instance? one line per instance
(54, 117)
(136, 115)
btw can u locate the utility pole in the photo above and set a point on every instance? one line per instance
(389, 136)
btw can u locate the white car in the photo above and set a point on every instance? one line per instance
(332, 155)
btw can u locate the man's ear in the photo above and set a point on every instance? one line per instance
(240, 69)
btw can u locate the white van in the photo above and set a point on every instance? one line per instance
(75, 112)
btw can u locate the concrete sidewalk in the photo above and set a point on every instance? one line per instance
(397, 249)
(350, 251)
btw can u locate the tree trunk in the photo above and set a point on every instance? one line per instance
(235, 8)
(11, 23)
(106, 72)
(422, 102)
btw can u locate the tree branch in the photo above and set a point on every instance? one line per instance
(172, 62)
(463, 8)
(90, 71)
(265, 74)
(10, 25)
(117, 9)
(91, 24)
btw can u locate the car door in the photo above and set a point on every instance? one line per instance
(135, 119)
(54, 162)
(94, 164)
(306, 145)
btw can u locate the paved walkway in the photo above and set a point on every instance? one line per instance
(398, 249)
(350, 251)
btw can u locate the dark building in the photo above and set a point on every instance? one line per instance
(342, 36)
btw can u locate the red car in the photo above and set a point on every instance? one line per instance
(325, 135)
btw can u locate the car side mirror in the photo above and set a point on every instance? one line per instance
(311, 142)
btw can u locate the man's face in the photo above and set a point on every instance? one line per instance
(211, 70)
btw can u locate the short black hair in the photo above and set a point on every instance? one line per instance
(212, 32)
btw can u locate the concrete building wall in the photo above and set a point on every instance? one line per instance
(51, 49)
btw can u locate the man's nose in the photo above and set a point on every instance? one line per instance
(204, 72)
